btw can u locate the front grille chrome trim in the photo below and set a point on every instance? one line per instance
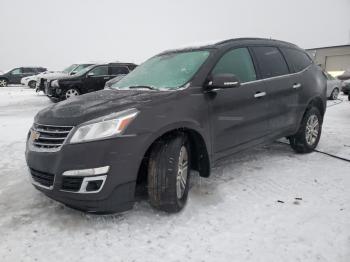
(48, 138)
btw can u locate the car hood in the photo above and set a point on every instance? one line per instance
(83, 108)
(56, 75)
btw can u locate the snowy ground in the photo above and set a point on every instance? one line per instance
(247, 210)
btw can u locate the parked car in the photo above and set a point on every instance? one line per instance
(346, 87)
(333, 87)
(31, 80)
(181, 110)
(15, 75)
(114, 80)
(90, 79)
(71, 70)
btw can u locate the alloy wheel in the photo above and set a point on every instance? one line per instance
(71, 93)
(3, 82)
(312, 130)
(335, 94)
(182, 173)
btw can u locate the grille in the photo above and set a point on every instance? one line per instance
(72, 183)
(49, 137)
(42, 178)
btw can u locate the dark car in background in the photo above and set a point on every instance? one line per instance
(70, 70)
(15, 75)
(90, 79)
(179, 111)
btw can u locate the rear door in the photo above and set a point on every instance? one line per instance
(96, 79)
(282, 88)
(118, 70)
(238, 115)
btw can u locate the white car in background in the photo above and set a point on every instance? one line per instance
(32, 80)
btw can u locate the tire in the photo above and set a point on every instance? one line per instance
(309, 133)
(334, 94)
(3, 82)
(168, 180)
(72, 92)
(32, 84)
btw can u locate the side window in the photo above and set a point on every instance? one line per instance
(271, 62)
(296, 59)
(28, 70)
(237, 62)
(119, 70)
(100, 71)
(16, 71)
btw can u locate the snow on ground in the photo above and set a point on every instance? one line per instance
(247, 210)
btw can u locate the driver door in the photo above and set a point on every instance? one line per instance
(238, 114)
(16, 76)
(96, 79)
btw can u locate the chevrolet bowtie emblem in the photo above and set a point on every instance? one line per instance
(34, 135)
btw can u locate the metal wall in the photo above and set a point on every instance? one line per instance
(334, 60)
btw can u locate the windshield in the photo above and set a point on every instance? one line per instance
(83, 71)
(69, 68)
(79, 68)
(168, 71)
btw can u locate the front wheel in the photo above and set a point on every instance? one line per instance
(309, 133)
(3, 82)
(335, 93)
(71, 93)
(168, 173)
(32, 84)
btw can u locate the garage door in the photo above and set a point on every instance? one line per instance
(338, 63)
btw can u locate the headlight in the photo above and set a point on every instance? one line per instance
(104, 127)
(55, 83)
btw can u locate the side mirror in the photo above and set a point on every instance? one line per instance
(73, 73)
(90, 74)
(223, 81)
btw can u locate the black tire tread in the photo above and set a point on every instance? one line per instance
(161, 174)
(298, 141)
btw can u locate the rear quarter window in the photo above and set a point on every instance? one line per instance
(297, 60)
(270, 61)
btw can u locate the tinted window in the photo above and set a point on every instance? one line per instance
(297, 60)
(100, 71)
(28, 70)
(117, 70)
(237, 62)
(271, 62)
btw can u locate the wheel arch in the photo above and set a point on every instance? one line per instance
(200, 157)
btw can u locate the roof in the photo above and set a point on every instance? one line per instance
(326, 47)
(248, 40)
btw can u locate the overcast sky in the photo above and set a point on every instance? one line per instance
(56, 33)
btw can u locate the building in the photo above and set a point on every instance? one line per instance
(333, 59)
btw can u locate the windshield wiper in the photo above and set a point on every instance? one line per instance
(141, 86)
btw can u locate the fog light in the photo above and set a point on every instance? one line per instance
(87, 172)
(58, 91)
(94, 185)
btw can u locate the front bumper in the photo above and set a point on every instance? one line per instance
(123, 155)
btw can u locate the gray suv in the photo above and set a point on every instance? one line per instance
(15, 75)
(181, 110)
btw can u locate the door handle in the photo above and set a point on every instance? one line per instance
(259, 94)
(106, 77)
(296, 86)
